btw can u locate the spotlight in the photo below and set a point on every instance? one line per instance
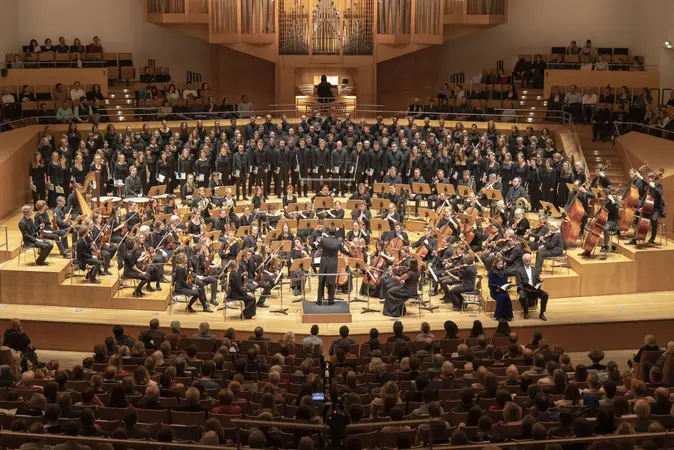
(668, 44)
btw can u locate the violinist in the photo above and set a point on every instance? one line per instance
(271, 218)
(492, 183)
(520, 223)
(611, 205)
(392, 216)
(512, 255)
(132, 217)
(499, 213)
(117, 227)
(85, 255)
(534, 234)
(362, 215)
(204, 271)
(63, 216)
(463, 277)
(49, 231)
(298, 278)
(251, 240)
(146, 256)
(229, 249)
(653, 188)
(259, 274)
(551, 245)
(427, 242)
(31, 236)
(101, 235)
(362, 195)
(183, 284)
(238, 289)
(247, 218)
(397, 233)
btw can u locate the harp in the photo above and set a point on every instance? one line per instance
(91, 184)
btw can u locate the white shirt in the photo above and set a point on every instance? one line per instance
(173, 95)
(586, 66)
(590, 99)
(188, 92)
(244, 109)
(76, 94)
(601, 65)
(8, 98)
(527, 269)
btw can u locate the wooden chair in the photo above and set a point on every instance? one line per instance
(224, 419)
(188, 418)
(367, 440)
(108, 425)
(456, 418)
(186, 432)
(116, 414)
(154, 416)
(390, 438)
(168, 402)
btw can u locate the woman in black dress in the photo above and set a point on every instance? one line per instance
(396, 296)
(79, 170)
(223, 165)
(565, 177)
(202, 168)
(164, 171)
(55, 177)
(521, 170)
(507, 169)
(38, 177)
(535, 194)
(548, 182)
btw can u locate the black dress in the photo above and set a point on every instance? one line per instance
(562, 189)
(506, 177)
(535, 188)
(37, 176)
(394, 303)
(548, 182)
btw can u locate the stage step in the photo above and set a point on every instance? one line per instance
(653, 264)
(77, 291)
(153, 301)
(28, 284)
(617, 274)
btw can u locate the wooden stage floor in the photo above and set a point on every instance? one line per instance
(617, 300)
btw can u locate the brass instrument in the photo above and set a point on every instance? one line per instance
(523, 204)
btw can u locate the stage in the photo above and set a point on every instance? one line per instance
(616, 300)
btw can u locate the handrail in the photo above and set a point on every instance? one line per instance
(31, 65)
(656, 130)
(6, 243)
(580, 149)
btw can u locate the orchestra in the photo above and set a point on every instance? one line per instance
(484, 211)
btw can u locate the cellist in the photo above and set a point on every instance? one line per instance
(427, 242)
(655, 189)
(397, 233)
(85, 254)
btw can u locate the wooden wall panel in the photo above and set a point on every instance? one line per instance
(16, 152)
(238, 74)
(87, 77)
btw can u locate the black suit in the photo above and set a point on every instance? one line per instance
(85, 256)
(465, 283)
(513, 260)
(524, 295)
(31, 239)
(552, 246)
(238, 291)
(331, 247)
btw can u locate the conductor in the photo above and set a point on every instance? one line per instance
(331, 246)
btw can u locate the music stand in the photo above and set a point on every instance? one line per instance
(353, 204)
(421, 188)
(156, 191)
(243, 230)
(361, 267)
(549, 208)
(238, 209)
(464, 191)
(297, 265)
(295, 207)
(399, 188)
(272, 234)
(380, 225)
(380, 188)
(427, 214)
(265, 206)
(323, 202)
(380, 203)
(493, 195)
(213, 235)
(307, 224)
(434, 277)
(335, 223)
(281, 246)
(447, 188)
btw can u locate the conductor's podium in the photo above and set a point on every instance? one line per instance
(51, 285)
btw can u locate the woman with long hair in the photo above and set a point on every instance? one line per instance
(396, 296)
(38, 177)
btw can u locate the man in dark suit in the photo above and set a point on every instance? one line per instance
(464, 279)
(527, 278)
(85, 255)
(513, 258)
(552, 246)
(331, 247)
(31, 237)
(613, 208)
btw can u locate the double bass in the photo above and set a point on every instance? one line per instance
(594, 230)
(646, 212)
(629, 205)
(572, 218)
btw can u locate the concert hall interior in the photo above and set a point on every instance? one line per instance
(287, 164)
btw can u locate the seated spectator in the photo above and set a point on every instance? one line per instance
(589, 102)
(566, 423)
(117, 397)
(147, 77)
(225, 399)
(244, 107)
(66, 405)
(398, 334)
(466, 397)
(571, 397)
(395, 415)
(35, 407)
(163, 76)
(344, 335)
(490, 386)
(51, 419)
(130, 419)
(512, 374)
(192, 401)
(151, 400)
(662, 404)
(95, 46)
(512, 413)
(541, 411)
(189, 92)
(89, 427)
(573, 49)
(642, 409)
(600, 64)
(572, 102)
(586, 64)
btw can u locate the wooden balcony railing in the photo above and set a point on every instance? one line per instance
(478, 12)
(177, 11)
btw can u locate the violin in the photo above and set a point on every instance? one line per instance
(189, 276)
(375, 276)
(54, 224)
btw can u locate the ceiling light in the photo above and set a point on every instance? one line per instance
(668, 44)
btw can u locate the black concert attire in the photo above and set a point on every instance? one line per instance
(58, 236)
(513, 259)
(31, 239)
(612, 207)
(130, 262)
(550, 247)
(85, 256)
(331, 247)
(466, 283)
(193, 292)
(526, 290)
(394, 302)
(238, 291)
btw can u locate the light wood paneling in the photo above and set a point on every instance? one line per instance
(16, 153)
(654, 266)
(615, 275)
(87, 77)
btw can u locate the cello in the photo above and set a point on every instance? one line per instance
(572, 218)
(646, 212)
(629, 205)
(595, 230)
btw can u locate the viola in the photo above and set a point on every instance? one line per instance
(378, 268)
(189, 276)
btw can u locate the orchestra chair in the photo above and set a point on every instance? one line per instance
(23, 250)
(561, 260)
(175, 297)
(662, 231)
(474, 297)
(75, 270)
(122, 284)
